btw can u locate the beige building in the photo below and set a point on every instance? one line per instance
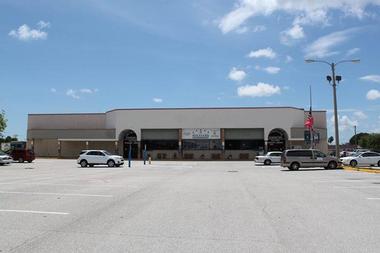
(176, 133)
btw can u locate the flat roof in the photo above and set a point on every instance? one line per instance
(179, 108)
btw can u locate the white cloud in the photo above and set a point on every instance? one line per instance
(360, 115)
(264, 52)
(292, 34)
(53, 90)
(72, 93)
(259, 28)
(158, 100)
(272, 70)
(345, 122)
(88, 91)
(322, 47)
(373, 95)
(304, 11)
(242, 30)
(25, 33)
(371, 78)
(76, 93)
(245, 29)
(42, 24)
(288, 59)
(352, 51)
(236, 74)
(258, 90)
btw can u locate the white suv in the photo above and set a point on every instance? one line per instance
(99, 157)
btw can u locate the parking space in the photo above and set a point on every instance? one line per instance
(56, 206)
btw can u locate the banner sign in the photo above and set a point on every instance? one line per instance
(307, 136)
(200, 133)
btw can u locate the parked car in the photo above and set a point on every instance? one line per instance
(294, 159)
(358, 151)
(4, 158)
(22, 155)
(269, 158)
(99, 157)
(362, 159)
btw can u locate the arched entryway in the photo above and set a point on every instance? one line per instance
(277, 140)
(129, 140)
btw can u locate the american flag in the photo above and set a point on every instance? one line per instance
(310, 120)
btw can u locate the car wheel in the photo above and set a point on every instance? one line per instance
(353, 163)
(83, 163)
(294, 166)
(111, 163)
(332, 165)
(30, 161)
(21, 160)
(267, 162)
(378, 164)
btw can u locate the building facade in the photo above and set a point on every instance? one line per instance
(176, 133)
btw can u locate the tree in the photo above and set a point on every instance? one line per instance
(3, 123)
(356, 138)
(374, 142)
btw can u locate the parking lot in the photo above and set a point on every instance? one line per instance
(55, 206)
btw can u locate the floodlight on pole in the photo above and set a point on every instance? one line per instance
(334, 79)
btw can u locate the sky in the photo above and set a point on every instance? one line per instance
(96, 55)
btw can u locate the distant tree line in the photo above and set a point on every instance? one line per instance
(366, 140)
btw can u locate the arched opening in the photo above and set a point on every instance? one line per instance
(277, 139)
(129, 139)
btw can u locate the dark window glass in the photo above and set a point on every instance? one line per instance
(160, 144)
(300, 153)
(244, 144)
(319, 154)
(92, 153)
(275, 154)
(202, 144)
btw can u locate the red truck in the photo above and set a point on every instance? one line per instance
(20, 153)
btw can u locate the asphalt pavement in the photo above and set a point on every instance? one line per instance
(55, 206)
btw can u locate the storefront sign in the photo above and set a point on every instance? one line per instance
(200, 133)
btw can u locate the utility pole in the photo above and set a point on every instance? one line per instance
(334, 78)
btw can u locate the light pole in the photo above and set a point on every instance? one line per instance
(334, 78)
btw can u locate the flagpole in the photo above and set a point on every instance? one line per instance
(310, 128)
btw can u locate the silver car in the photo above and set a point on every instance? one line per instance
(5, 159)
(269, 158)
(307, 158)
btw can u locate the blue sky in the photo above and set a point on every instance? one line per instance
(97, 55)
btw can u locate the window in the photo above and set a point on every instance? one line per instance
(370, 154)
(300, 153)
(160, 144)
(319, 154)
(92, 153)
(244, 144)
(275, 154)
(99, 153)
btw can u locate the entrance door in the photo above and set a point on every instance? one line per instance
(134, 150)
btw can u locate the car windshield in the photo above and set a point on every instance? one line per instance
(107, 153)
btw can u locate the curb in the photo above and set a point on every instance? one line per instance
(369, 170)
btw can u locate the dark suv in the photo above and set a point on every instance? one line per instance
(307, 158)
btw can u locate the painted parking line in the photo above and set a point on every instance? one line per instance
(358, 187)
(31, 211)
(58, 194)
(76, 185)
(373, 198)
